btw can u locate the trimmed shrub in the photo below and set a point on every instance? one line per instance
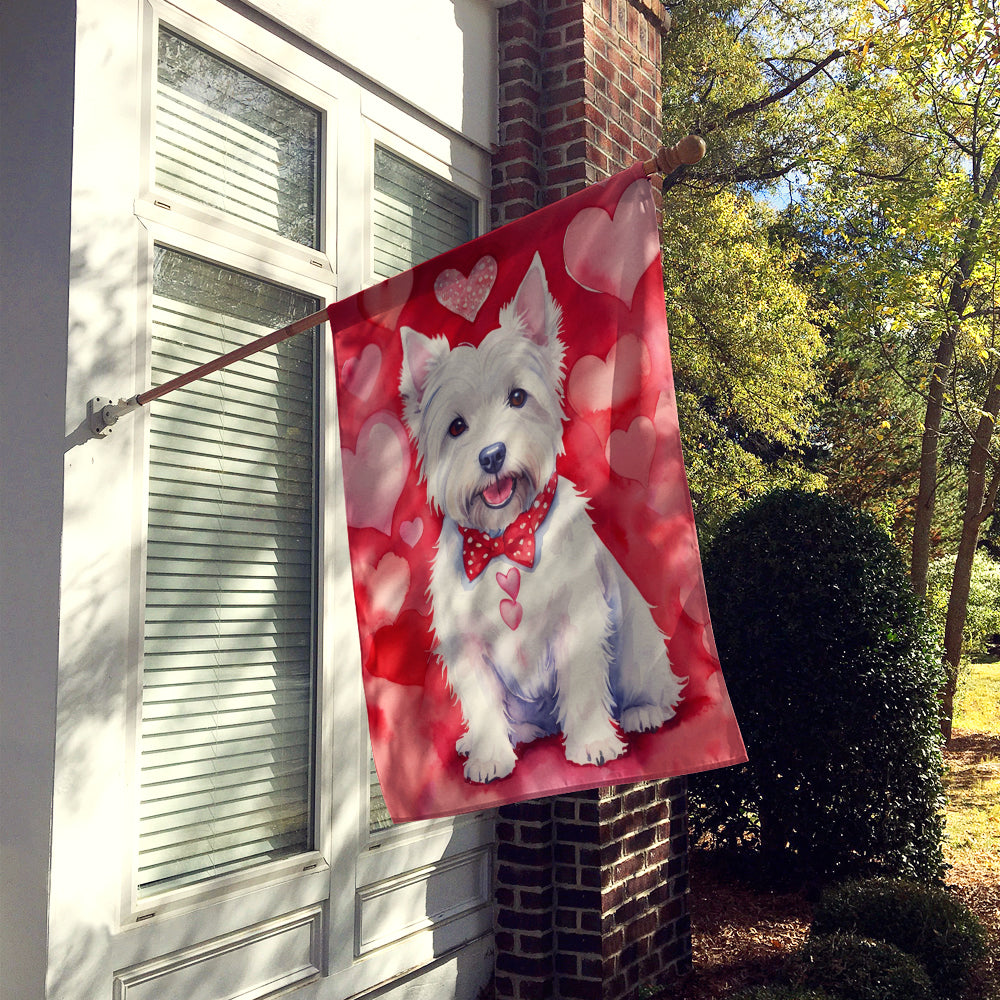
(833, 672)
(856, 968)
(925, 922)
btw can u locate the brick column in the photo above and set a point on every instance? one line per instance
(591, 888)
(579, 96)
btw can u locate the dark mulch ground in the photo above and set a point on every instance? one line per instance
(741, 935)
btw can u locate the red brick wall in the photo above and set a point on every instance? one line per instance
(579, 96)
(591, 893)
(591, 888)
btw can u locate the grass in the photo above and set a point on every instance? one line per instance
(972, 848)
(973, 782)
(978, 698)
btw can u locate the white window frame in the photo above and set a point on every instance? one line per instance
(351, 873)
(175, 222)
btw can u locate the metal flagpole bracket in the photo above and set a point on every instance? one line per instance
(103, 413)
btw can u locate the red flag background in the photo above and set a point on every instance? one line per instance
(619, 445)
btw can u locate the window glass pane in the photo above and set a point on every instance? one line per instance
(228, 140)
(416, 216)
(228, 680)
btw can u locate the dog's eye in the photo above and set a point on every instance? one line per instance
(457, 427)
(517, 398)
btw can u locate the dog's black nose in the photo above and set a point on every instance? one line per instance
(491, 458)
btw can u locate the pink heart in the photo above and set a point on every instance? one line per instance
(465, 296)
(511, 612)
(374, 473)
(359, 374)
(667, 491)
(510, 582)
(665, 416)
(630, 453)
(595, 385)
(410, 531)
(384, 302)
(387, 587)
(694, 601)
(606, 253)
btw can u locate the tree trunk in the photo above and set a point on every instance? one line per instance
(980, 499)
(920, 553)
(958, 299)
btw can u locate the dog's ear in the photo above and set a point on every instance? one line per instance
(534, 306)
(420, 356)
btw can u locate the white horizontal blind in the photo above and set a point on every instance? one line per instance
(416, 216)
(228, 657)
(225, 139)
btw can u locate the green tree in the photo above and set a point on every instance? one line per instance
(910, 181)
(747, 353)
(747, 358)
(746, 76)
(880, 122)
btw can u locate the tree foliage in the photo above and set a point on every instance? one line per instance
(910, 188)
(746, 347)
(878, 123)
(982, 620)
(747, 357)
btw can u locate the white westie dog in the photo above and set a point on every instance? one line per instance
(539, 629)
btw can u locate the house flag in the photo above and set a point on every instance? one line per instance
(529, 594)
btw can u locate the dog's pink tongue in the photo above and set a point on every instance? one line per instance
(499, 492)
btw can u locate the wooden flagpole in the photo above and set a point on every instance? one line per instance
(102, 413)
(260, 344)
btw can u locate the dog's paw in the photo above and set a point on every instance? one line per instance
(596, 751)
(483, 770)
(645, 718)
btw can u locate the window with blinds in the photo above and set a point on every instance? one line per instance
(230, 141)
(226, 745)
(415, 216)
(228, 656)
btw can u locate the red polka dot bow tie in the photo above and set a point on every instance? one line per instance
(517, 542)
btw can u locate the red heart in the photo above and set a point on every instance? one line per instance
(359, 374)
(596, 386)
(388, 585)
(375, 473)
(630, 453)
(397, 651)
(410, 531)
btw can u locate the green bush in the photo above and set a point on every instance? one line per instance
(925, 922)
(833, 672)
(856, 968)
